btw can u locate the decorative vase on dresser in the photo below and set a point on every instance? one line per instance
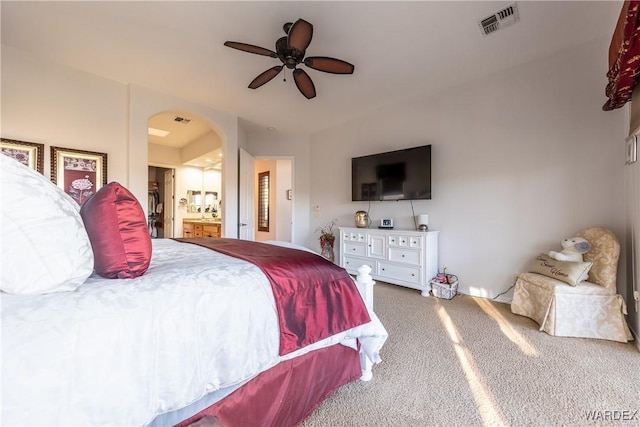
(401, 257)
(326, 244)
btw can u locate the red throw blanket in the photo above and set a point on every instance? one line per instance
(314, 297)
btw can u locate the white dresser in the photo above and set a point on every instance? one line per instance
(402, 257)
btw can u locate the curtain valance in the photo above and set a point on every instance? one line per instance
(624, 57)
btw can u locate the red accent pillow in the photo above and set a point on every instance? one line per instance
(118, 232)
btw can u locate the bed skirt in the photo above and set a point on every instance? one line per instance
(289, 392)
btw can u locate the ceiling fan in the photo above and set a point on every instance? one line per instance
(290, 50)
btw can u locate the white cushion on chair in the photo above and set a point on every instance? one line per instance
(558, 287)
(570, 272)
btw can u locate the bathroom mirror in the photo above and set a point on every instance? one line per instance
(210, 201)
(195, 201)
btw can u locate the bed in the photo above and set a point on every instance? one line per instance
(180, 332)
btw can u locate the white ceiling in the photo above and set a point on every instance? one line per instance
(399, 49)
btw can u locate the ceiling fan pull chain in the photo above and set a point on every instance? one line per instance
(284, 74)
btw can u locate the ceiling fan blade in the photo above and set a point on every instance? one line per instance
(304, 83)
(251, 49)
(329, 65)
(265, 77)
(300, 35)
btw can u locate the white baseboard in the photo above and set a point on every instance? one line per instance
(506, 298)
(635, 336)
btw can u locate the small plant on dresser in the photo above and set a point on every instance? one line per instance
(327, 239)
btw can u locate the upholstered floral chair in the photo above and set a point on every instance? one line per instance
(557, 297)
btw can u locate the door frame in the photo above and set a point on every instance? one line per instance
(246, 194)
(291, 187)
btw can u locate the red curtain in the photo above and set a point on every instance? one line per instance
(624, 57)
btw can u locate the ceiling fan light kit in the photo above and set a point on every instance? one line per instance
(291, 52)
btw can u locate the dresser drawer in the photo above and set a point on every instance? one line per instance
(195, 228)
(351, 236)
(406, 256)
(355, 249)
(398, 272)
(416, 242)
(403, 241)
(211, 230)
(187, 230)
(352, 263)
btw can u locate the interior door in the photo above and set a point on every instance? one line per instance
(168, 203)
(246, 196)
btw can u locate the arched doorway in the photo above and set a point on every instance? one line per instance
(185, 154)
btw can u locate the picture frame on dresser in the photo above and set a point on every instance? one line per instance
(30, 154)
(78, 173)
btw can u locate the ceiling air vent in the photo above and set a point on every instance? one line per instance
(502, 18)
(181, 120)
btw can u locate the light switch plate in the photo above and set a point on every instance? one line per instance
(631, 149)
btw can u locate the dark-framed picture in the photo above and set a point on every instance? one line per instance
(29, 154)
(78, 173)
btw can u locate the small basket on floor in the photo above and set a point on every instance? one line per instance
(444, 286)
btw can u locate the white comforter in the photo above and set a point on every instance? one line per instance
(119, 352)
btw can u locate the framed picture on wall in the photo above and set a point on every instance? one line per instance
(78, 173)
(29, 154)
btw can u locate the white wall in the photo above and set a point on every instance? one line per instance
(632, 183)
(58, 106)
(55, 105)
(521, 160)
(204, 144)
(284, 219)
(212, 181)
(274, 144)
(163, 155)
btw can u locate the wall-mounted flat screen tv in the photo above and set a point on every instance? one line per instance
(394, 175)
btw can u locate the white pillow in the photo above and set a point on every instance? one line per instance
(44, 246)
(570, 272)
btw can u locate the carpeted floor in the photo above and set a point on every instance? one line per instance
(471, 362)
